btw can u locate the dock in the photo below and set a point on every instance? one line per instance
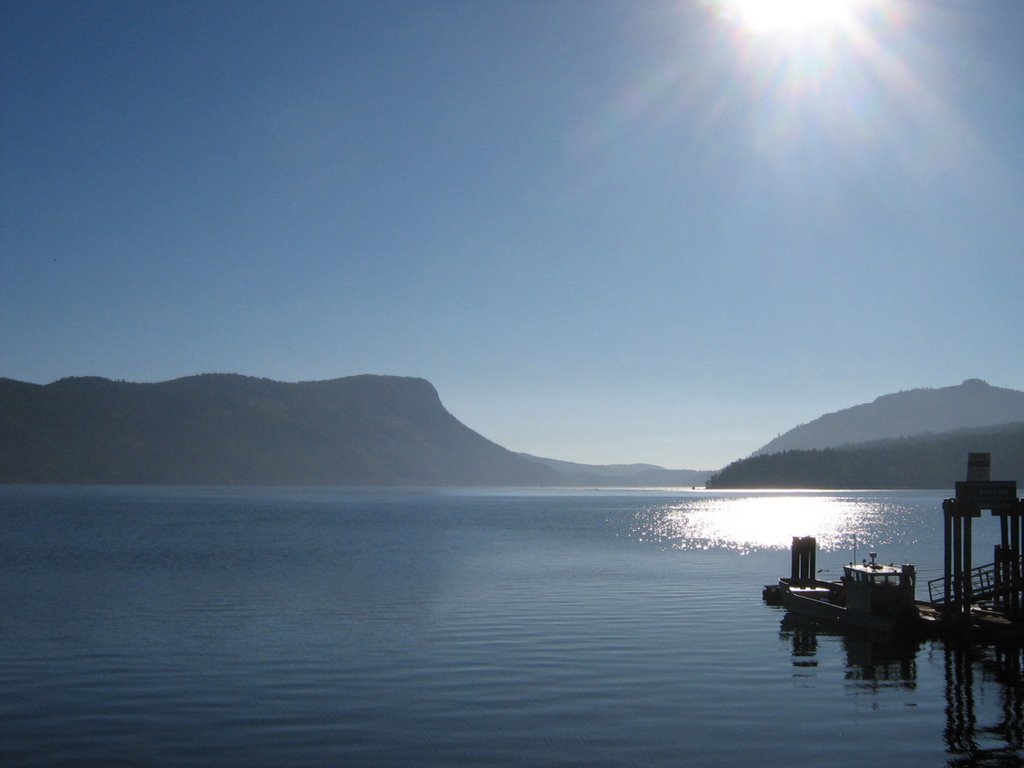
(967, 602)
(987, 599)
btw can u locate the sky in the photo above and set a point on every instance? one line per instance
(605, 231)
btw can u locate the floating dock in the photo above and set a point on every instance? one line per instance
(986, 601)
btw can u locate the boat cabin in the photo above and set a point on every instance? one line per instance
(879, 589)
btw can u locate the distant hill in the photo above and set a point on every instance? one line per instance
(622, 475)
(906, 414)
(925, 461)
(228, 429)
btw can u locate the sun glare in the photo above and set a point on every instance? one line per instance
(756, 522)
(790, 15)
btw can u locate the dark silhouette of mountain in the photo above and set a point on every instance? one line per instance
(622, 475)
(906, 414)
(925, 461)
(229, 429)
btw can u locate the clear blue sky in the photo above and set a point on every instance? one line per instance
(605, 231)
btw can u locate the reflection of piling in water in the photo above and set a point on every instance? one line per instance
(964, 738)
(1007, 669)
(961, 721)
(875, 664)
(805, 647)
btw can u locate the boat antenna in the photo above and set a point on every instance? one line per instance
(854, 547)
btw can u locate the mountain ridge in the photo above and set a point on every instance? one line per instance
(233, 429)
(224, 428)
(974, 403)
(215, 428)
(916, 438)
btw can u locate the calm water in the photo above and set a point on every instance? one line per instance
(319, 627)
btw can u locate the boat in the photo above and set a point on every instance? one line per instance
(870, 595)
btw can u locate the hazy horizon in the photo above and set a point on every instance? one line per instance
(606, 232)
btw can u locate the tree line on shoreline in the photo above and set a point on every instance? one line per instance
(922, 461)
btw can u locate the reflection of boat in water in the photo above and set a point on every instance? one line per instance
(873, 661)
(869, 595)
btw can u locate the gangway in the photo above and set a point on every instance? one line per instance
(988, 582)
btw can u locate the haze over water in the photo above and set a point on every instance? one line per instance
(292, 627)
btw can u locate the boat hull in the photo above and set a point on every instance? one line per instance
(822, 610)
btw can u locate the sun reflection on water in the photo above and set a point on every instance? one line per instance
(750, 523)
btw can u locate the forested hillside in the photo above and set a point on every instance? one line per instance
(931, 461)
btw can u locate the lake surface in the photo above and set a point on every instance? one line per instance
(316, 627)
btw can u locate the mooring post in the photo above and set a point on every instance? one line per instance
(803, 559)
(958, 561)
(947, 555)
(1000, 577)
(1004, 568)
(1015, 534)
(968, 562)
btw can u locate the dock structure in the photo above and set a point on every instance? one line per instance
(989, 595)
(966, 602)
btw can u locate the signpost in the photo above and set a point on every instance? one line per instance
(979, 466)
(988, 494)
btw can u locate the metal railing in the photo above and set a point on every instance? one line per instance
(985, 582)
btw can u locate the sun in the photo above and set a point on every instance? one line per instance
(790, 15)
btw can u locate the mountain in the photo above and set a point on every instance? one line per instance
(925, 461)
(974, 403)
(229, 429)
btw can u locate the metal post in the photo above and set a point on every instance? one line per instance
(958, 562)
(999, 574)
(1015, 536)
(968, 563)
(1004, 575)
(947, 559)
